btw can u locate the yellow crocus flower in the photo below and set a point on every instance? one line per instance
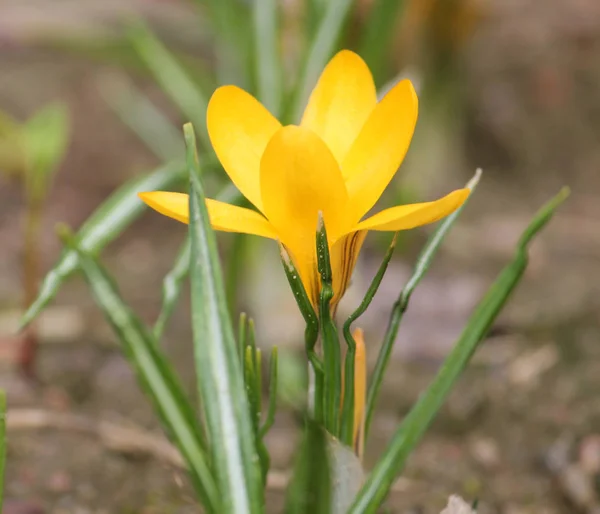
(337, 161)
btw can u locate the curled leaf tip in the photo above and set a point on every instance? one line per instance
(475, 180)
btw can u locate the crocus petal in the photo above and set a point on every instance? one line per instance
(240, 128)
(223, 216)
(404, 217)
(360, 391)
(300, 177)
(343, 256)
(342, 100)
(380, 147)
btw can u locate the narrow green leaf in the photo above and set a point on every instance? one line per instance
(172, 284)
(269, 71)
(347, 423)
(377, 36)
(329, 336)
(155, 375)
(103, 226)
(311, 485)
(173, 78)
(311, 332)
(422, 414)
(147, 122)
(2, 443)
(273, 379)
(423, 263)
(174, 280)
(220, 380)
(321, 50)
(46, 136)
(242, 325)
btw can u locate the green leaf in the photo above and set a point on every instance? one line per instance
(173, 281)
(220, 380)
(104, 225)
(310, 489)
(171, 289)
(331, 345)
(321, 50)
(138, 112)
(422, 414)
(423, 263)
(45, 137)
(232, 48)
(311, 332)
(2, 443)
(173, 78)
(155, 375)
(347, 424)
(12, 150)
(269, 71)
(273, 378)
(377, 36)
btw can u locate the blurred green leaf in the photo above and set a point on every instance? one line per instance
(377, 36)
(310, 489)
(229, 17)
(422, 414)
(220, 380)
(12, 151)
(138, 112)
(108, 221)
(423, 263)
(321, 50)
(155, 375)
(2, 444)
(45, 138)
(173, 78)
(267, 58)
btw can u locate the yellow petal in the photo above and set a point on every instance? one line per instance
(240, 128)
(404, 217)
(300, 177)
(343, 256)
(223, 216)
(342, 100)
(380, 147)
(360, 391)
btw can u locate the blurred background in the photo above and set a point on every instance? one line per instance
(511, 86)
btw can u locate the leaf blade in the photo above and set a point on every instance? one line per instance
(416, 422)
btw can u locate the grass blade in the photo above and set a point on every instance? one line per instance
(321, 50)
(218, 368)
(269, 71)
(154, 374)
(172, 78)
(104, 225)
(138, 112)
(421, 415)
(172, 284)
(377, 36)
(423, 263)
